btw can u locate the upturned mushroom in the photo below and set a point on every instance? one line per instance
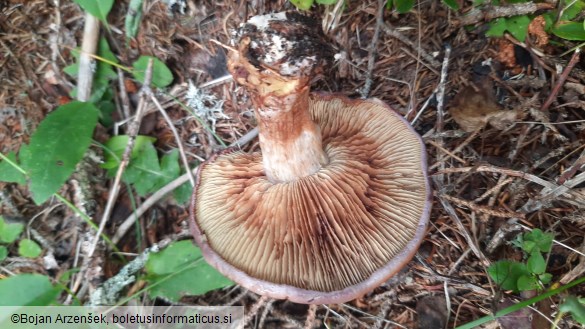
(338, 199)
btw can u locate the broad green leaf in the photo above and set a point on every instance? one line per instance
(72, 70)
(573, 10)
(497, 28)
(518, 26)
(536, 263)
(529, 246)
(57, 145)
(9, 232)
(327, 2)
(107, 108)
(144, 171)
(302, 4)
(115, 146)
(28, 248)
(576, 308)
(506, 273)
(180, 270)
(570, 30)
(452, 4)
(545, 278)
(403, 6)
(3, 253)
(98, 8)
(27, 290)
(183, 193)
(161, 75)
(537, 240)
(105, 52)
(527, 282)
(169, 166)
(10, 174)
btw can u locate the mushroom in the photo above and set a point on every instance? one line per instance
(337, 201)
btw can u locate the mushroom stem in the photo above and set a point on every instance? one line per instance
(277, 77)
(289, 139)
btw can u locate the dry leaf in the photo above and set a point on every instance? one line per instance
(472, 109)
(506, 54)
(536, 29)
(432, 312)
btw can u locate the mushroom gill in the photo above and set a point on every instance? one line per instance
(360, 216)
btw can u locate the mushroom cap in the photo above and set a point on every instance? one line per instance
(325, 238)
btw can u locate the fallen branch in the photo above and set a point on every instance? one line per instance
(483, 14)
(372, 51)
(562, 79)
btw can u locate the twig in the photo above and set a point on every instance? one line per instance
(562, 78)
(311, 316)
(132, 132)
(480, 14)
(569, 172)
(451, 212)
(483, 209)
(456, 150)
(88, 48)
(440, 114)
(254, 309)
(401, 37)
(107, 293)
(123, 94)
(154, 198)
(372, 54)
(531, 205)
(177, 138)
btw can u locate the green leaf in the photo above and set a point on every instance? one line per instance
(497, 28)
(527, 282)
(27, 290)
(572, 11)
(115, 146)
(452, 4)
(28, 248)
(182, 194)
(169, 166)
(3, 253)
(537, 240)
(570, 30)
(536, 263)
(161, 75)
(180, 270)
(107, 108)
(327, 2)
(518, 26)
(10, 174)
(545, 278)
(302, 4)
(57, 145)
(506, 273)
(529, 246)
(105, 52)
(576, 308)
(98, 8)
(403, 6)
(144, 171)
(9, 232)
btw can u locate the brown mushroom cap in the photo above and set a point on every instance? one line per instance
(328, 237)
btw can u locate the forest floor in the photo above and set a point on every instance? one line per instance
(503, 122)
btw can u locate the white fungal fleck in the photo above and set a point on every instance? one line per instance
(262, 22)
